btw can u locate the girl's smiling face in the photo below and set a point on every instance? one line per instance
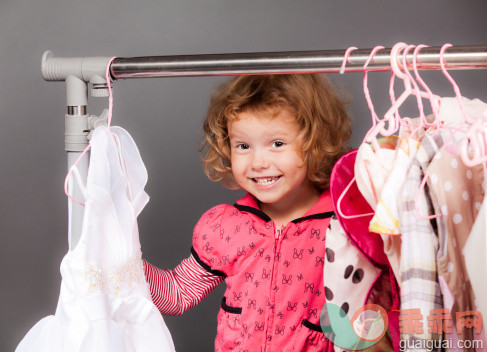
(265, 159)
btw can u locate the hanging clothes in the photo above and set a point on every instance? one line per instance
(372, 169)
(457, 192)
(353, 246)
(386, 219)
(476, 261)
(350, 279)
(420, 291)
(432, 267)
(104, 302)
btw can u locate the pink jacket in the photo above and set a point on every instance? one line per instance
(275, 288)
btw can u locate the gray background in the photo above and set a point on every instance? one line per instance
(165, 115)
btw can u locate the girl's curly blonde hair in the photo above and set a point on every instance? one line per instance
(325, 126)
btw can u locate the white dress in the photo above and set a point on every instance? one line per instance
(104, 302)
(475, 252)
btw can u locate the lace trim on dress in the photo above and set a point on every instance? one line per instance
(115, 280)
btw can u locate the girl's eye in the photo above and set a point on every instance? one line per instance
(277, 144)
(242, 146)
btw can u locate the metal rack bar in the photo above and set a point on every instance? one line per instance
(326, 61)
(78, 72)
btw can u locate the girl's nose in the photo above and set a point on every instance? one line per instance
(260, 161)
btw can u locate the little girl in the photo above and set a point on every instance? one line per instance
(277, 137)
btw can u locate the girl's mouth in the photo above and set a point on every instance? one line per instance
(266, 181)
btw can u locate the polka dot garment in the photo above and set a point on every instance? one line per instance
(456, 189)
(348, 274)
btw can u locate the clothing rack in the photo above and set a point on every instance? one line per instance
(79, 72)
(326, 61)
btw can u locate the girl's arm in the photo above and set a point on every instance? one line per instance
(175, 291)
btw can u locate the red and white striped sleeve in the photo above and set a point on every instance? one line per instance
(175, 291)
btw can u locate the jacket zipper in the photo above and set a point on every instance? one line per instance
(272, 293)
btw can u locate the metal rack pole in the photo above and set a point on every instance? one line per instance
(77, 72)
(326, 61)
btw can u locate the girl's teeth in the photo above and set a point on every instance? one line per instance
(266, 181)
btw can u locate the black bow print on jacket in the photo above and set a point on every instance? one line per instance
(315, 232)
(297, 255)
(291, 307)
(287, 281)
(313, 312)
(309, 287)
(260, 252)
(226, 259)
(207, 247)
(280, 331)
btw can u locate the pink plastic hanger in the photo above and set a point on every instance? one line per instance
(415, 91)
(395, 71)
(408, 80)
(377, 125)
(419, 94)
(477, 135)
(392, 117)
(434, 99)
(464, 142)
(395, 68)
(375, 118)
(345, 58)
(410, 87)
(452, 81)
(437, 125)
(458, 94)
(74, 167)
